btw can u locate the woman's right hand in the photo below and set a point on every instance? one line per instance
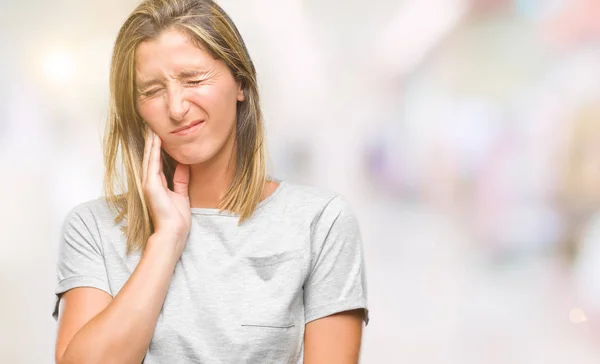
(169, 210)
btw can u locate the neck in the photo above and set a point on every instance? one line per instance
(210, 181)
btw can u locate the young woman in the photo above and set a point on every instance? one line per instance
(196, 255)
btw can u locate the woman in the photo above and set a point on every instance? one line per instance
(197, 256)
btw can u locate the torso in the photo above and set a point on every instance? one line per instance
(237, 291)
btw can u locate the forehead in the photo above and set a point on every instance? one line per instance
(170, 53)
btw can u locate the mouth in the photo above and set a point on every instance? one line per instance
(189, 128)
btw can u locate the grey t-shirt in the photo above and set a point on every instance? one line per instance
(240, 293)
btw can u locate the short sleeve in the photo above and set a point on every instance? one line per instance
(336, 281)
(80, 258)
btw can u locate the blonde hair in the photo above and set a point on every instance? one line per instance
(210, 27)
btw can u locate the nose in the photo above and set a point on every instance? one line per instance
(178, 104)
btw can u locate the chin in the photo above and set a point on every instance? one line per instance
(192, 156)
(191, 159)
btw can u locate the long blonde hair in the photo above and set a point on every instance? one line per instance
(210, 27)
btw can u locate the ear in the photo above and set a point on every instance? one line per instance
(241, 96)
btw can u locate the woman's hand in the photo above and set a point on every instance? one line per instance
(169, 210)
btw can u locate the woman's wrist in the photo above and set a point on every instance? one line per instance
(164, 247)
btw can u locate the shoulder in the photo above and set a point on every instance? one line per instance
(297, 193)
(96, 212)
(88, 227)
(320, 204)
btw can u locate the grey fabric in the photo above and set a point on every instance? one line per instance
(240, 293)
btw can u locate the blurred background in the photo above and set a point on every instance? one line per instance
(466, 134)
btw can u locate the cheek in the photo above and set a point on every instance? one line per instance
(151, 112)
(219, 104)
(143, 108)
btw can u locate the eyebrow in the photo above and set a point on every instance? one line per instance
(186, 73)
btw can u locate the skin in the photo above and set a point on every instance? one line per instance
(178, 83)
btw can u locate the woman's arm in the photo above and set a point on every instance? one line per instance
(335, 291)
(93, 328)
(120, 330)
(334, 339)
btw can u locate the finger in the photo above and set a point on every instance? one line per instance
(164, 180)
(181, 179)
(162, 174)
(147, 148)
(154, 160)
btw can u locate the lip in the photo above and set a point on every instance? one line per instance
(189, 128)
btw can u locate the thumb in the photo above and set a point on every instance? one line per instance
(181, 179)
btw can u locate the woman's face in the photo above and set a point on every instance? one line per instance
(180, 85)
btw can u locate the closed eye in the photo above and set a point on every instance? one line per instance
(195, 82)
(150, 93)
